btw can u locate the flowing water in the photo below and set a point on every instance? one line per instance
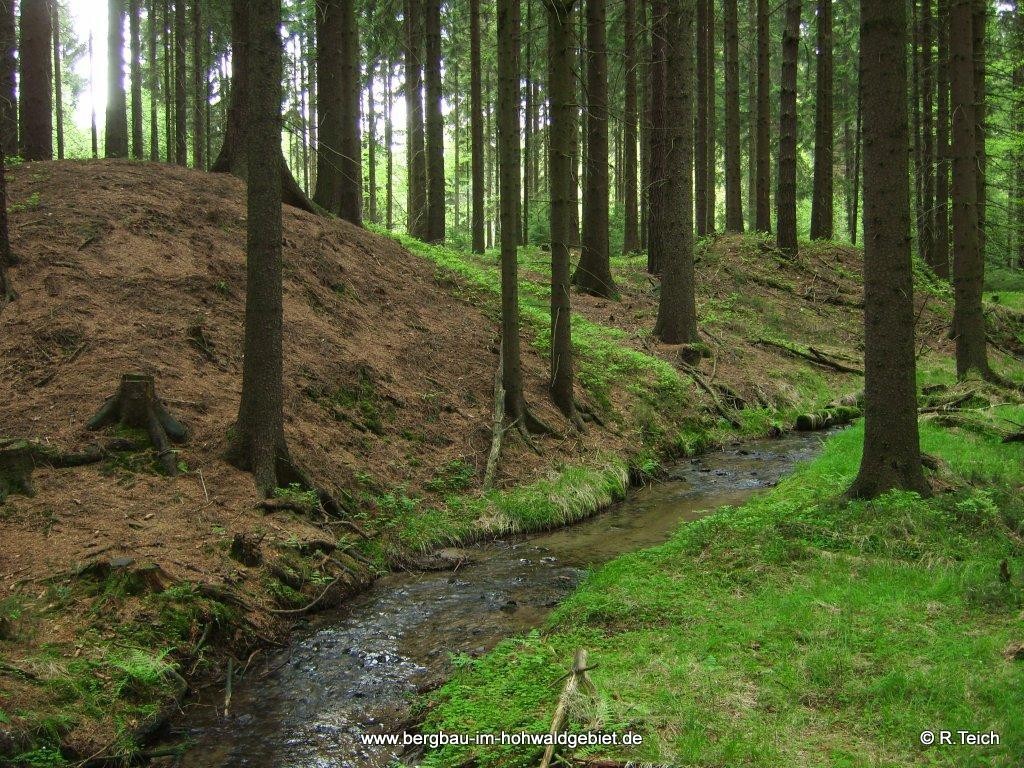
(356, 670)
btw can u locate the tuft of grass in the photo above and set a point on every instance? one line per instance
(848, 628)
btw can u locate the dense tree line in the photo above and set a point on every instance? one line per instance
(610, 125)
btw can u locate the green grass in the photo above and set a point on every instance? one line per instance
(1010, 299)
(797, 630)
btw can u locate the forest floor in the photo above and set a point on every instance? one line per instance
(119, 586)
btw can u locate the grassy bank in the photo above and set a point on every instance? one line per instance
(796, 630)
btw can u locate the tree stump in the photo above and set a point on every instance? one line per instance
(17, 460)
(136, 405)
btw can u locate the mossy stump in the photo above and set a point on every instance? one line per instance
(136, 405)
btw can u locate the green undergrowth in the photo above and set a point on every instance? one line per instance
(796, 630)
(122, 673)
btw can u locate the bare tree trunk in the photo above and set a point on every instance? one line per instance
(257, 442)
(631, 232)
(751, 78)
(476, 120)
(968, 260)
(701, 138)
(926, 230)
(763, 216)
(677, 313)
(115, 139)
(7, 293)
(154, 84)
(822, 214)
(180, 79)
(658, 147)
(786, 194)
(134, 24)
(733, 192)
(892, 457)
(8, 76)
(858, 142)
(434, 124)
(979, 25)
(233, 156)
(593, 273)
(371, 144)
(92, 97)
(417, 159)
(941, 252)
(389, 141)
(564, 117)
(168, 115)
(200, 89)
(528, 167)
(58, 88)
(712, 143)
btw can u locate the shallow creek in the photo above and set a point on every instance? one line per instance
(356, 670)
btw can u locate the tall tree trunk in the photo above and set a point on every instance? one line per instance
(978, 29)
(593, 273)
(786, 194)
(701, 138)
(135, 68)
(658, 130)
(233, 156)
(858, 142)
(417, 158)
(763, 215)
(180, 94)
(154, 84)
(339, 175)
(822, 215)
(891, 457)
(752, 120)
(92, 98)
(434, 122)
(733, 192)
(115, 135)
(968, 260)
(645, 126)
(200, 88)
(508, 33)
(677, 313)
(712, 143)
(36, 116)
(58, 87)
(168, 85)
(371, 144)
(388, 142)
(1018, 85)
(258, 443)
(564, 118)
(631, 232)
(8, 72)
(7, 293)
(926, 230)
(528, 167)
(476, 128)
(941, 251)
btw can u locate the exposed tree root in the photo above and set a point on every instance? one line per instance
(497, 424)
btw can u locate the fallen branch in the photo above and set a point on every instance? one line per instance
(726, 413)
(305, 608)
(498, 423)
(813, 355)
(577, 675)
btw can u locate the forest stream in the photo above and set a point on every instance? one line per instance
(356, 670)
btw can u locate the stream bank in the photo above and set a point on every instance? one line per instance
(357, 671)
